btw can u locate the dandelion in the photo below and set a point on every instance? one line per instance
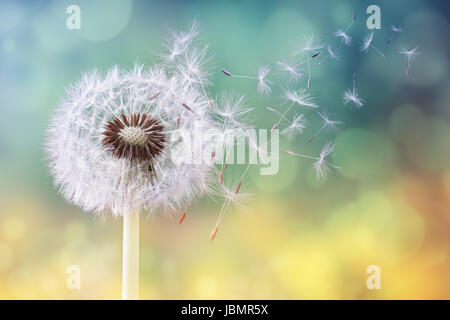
(410, 54)
(395, 30)
(310, 44)
(263, 86)
(113, 144)
(293, 69)
(367, 43)
(320, 165)
(326, 123)
(352, 96)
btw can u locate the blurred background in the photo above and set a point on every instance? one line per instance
(298, 238)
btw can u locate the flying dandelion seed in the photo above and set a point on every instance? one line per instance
(294, 70)
(178, 41)
(343, 34)
(331, 53)
(395, 30)
(326, 123)
(300, 98)
(410, 55)
(320, 165)
(367, 43)
(310, 44)
(345, 38)
(263, 86)
(298, 124)
(352, 96)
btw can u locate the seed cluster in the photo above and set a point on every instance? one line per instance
(138, 137)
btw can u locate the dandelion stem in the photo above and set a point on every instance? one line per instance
(130, 256)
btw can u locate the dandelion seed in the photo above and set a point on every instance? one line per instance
(232, 197)
(226, 72)
(326, 123)
(320, 165)
(315, 55)
(351, 22)
(231, 109)
(178, 42)
(345, 38)
(263, 84)
(301, 97)
(310, 44)
(293, 69)
(182, 217)
(395, 31)
(331, 53)
(352, 96)
(296, 127)
(213, 233)
(367, 43)
(410, 54)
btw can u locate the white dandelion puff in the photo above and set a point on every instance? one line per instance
(410, 55)
(320, 165)
(114, 143)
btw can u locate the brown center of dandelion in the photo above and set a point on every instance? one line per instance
(138, 137)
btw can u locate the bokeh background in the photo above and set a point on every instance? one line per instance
(298, 238)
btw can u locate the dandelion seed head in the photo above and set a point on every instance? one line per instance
(111, 142)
